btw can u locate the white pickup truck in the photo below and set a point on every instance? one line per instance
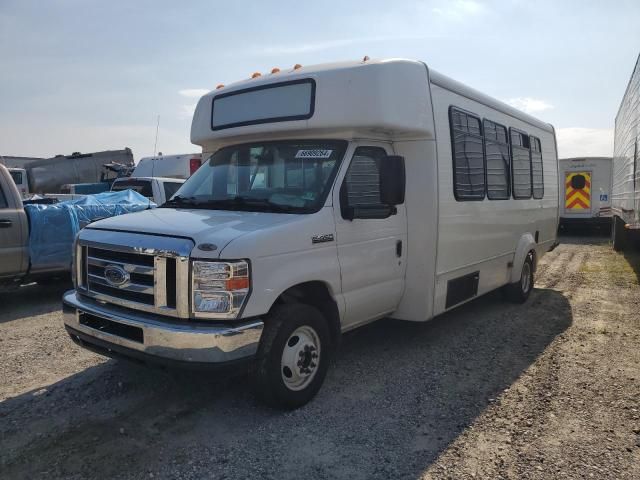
(301, 223)
(157, 189)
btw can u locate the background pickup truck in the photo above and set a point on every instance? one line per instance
(156, 189)
(36, 240)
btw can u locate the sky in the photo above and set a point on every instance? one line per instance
(90, 75)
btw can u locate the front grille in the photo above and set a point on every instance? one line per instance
(143, 272)
(140, 268)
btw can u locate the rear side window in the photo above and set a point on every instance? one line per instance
(170, 188)
(3, 199)
(17, 177)
(496, 146)
(143, 187)
(468, 157)
(537, 174)
(520, 154)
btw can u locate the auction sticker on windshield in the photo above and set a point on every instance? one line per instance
(316, 153)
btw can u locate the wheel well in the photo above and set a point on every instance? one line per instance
(316, 294)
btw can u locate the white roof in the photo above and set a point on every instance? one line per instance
(374, 97)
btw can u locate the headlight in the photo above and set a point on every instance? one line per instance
(219, 288)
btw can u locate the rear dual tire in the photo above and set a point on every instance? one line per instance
(518, 292)
(293, 356)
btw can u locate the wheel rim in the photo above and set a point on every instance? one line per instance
(300, 358)
(525, 280)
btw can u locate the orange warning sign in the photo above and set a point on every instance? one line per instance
(577, 191)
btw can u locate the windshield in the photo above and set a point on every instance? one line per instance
(292, 176)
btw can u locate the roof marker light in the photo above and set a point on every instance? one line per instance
(366, 58)
(275, 70)
(297, 66)
(219, 86)
(256, 75)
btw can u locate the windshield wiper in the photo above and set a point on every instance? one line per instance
(179, 200)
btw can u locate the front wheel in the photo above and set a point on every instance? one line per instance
(518, 292)
(293, 356)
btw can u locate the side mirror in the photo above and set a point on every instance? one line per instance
(392, 180)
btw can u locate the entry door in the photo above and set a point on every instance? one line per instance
(371, 251)
(577, 192)
(11, 241)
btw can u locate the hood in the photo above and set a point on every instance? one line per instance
(202, 226)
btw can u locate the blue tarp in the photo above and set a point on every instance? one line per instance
(52, 228)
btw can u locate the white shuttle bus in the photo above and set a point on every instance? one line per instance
(585, 184)
(625, 201)
(329, 197)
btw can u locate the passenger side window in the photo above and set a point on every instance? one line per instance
(537, 174)
(362, 181)
(496, 146)
(468, 157)
(521, 166)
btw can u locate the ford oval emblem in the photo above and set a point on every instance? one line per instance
(115, 275)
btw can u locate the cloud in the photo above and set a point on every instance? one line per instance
(329, 44)
(529, 105)
(584, 142)
(193, 92)
(459, 9)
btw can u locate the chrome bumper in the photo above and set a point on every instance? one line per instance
(171, 340)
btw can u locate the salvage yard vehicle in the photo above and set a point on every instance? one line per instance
(173, 166)
(625, 198)
(156, 189)
(36, 240)
(586, 186)
(330, 196)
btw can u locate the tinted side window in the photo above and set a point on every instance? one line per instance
(362, 181)
(3, 199)
(496, 146)
(537, 174)
(468, 156)
(170, 189)
(521, 164)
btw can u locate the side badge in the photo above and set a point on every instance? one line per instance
(327, 237)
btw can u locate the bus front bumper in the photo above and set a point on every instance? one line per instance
(114, 331)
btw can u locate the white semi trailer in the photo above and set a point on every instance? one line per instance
(329, 197)
(625, 198)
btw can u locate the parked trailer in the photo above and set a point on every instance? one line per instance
(330, 196)
(585, 184)
(48, 176)
(625, 198)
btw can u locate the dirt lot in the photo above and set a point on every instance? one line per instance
(550, 389)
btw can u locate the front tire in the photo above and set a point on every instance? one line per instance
(293, 356)
(518, 292)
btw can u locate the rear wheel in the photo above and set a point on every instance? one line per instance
(618, 234)
(293, 356)
(518, 292)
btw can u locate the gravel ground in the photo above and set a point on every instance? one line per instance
(491, 390)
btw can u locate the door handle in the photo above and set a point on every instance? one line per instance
(4, 223)
(399, 248)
